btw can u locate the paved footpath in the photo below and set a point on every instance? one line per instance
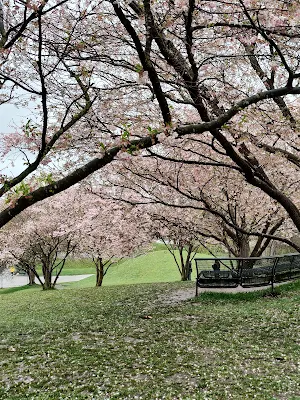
(189, 293)
(21, 280)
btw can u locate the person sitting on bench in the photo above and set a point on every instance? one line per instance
(216, 266)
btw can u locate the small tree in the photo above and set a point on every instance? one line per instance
(44, 235)
(110, 231)
(52, 251)
(178, 237)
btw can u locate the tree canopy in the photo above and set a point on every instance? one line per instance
(111, 78)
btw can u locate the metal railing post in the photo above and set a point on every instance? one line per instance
(273, 274)
(197, 274)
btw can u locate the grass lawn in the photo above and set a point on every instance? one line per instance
(93, 343)
(155, 266)
(76, 267)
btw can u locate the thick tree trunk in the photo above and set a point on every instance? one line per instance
(99, 271)
(244, 251)
(186, 273)
(31, 277)
(182, 264)
(47, 273)
(244, 247)
(186, 265)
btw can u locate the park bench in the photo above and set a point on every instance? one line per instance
(287, 268)
(256, 277)
(247, 272)
(217, 279)
(282, 271)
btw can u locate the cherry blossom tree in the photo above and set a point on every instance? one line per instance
(43, 236)
(225, 81)
(211, 203)
(109, 232)
(114, 76)
(177, 231)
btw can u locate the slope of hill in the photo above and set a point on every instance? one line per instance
(155, 266)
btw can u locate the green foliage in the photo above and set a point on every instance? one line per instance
(244, 118)
(152, 131)
(225, 126)
(138, 68)
(45, 179)
(125, 132)
(22, 189)
(30, 130)
(97, 344)
(131, 149)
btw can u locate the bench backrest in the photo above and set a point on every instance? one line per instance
(256, 271)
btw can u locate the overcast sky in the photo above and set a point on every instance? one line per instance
(10, 118)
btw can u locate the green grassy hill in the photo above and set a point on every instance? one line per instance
(155, 266)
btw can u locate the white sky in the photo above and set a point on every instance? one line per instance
(12, 117)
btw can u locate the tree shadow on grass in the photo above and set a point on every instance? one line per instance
(20, 288)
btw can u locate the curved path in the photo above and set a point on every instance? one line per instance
(21, 280)
(189, 293)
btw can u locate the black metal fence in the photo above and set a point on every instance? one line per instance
(246, 272)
